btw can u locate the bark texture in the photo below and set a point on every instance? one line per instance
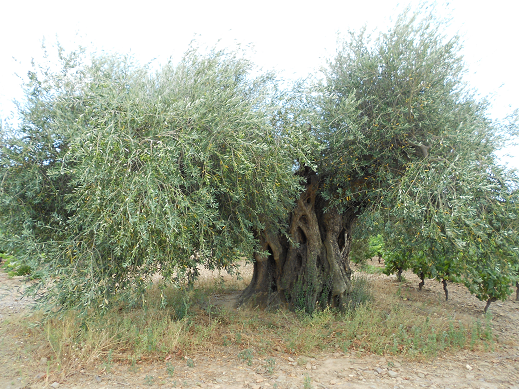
(445, 290)
(312, 267)
(422, 281)
(489, 301)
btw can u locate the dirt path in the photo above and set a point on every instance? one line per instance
(222, 369)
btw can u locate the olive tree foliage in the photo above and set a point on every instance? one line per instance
(410, 148)
(163, 170)
(469, 233)
(392, 117)
(119, 172)
(421, 156)
(32, 192)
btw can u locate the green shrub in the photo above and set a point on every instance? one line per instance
(14, 267)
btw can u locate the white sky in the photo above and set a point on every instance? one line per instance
(288, 35)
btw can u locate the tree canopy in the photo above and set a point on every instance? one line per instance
(409, 146)
(118, 172)
(158, 172)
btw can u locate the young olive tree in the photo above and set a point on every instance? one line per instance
(400, 137)
(469, 224)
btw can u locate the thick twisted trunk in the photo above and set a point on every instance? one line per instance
(311, 270)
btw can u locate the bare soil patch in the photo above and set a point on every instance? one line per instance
(224, 367)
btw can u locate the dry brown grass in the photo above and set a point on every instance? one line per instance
(396, 319)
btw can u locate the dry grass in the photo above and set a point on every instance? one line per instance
(387, 319)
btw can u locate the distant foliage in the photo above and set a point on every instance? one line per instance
(367, 248)
(14, 267)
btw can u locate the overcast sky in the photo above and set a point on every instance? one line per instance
(290, 36)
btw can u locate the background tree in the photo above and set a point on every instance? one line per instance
(471, 234)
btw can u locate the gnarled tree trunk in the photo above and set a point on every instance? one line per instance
(311, 270)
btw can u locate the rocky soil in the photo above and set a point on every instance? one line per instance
(222, 369)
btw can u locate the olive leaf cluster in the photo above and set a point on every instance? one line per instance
(33, 190)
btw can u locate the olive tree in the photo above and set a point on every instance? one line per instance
(119, 171)
(164, 171)
(402, 138)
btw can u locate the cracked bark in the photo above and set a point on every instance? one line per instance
(311, 270)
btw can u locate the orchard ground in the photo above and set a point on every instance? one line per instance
(25, 362)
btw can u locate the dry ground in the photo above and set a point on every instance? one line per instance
(221, 368)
